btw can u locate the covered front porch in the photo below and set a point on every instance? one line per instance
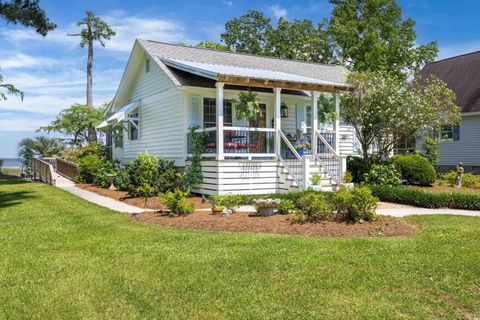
(285, 135)
(278, 152)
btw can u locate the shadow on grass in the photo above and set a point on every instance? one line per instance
(12, 198)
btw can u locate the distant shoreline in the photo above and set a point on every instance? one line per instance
(12, 163)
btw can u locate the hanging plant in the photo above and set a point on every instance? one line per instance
(247, 106)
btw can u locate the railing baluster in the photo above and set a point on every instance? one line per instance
(327, 155)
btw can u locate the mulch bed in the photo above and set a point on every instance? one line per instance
(152, 202)
(282, 224)
(244, 222)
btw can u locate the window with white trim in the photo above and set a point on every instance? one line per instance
(210, 113)
(133, 125)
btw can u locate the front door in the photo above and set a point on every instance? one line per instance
(258, 140)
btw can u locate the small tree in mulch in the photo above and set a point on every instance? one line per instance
(142, 172)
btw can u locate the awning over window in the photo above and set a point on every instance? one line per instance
(120, 115)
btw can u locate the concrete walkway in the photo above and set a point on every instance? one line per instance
(100, 200)
(402, 212)
(119, 206)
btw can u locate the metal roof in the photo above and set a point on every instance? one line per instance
(213, 71)
(214, 61)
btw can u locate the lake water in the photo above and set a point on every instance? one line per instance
(12, 163)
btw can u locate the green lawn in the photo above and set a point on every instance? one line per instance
(62, 257)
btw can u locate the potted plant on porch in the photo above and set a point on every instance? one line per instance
(303, 148)
(247, 106)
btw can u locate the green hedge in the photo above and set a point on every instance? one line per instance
(244, 199)
(428, 198)
(415, 169)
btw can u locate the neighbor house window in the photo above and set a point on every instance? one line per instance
(450, 132)
(147, 65)
(210, 113)
(133, 126)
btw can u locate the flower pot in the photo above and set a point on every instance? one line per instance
(303, 152)
(217, 210)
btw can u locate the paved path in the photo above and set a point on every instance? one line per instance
(402, 212)
(100, 200)
(119, 206)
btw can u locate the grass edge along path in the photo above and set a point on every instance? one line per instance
(63, 257)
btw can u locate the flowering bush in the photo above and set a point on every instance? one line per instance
(383, 175)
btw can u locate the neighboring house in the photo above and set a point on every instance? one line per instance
(460, 142)
(167, 89)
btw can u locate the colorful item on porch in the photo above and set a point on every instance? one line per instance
(302, 145)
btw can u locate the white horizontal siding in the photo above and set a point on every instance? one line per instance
(162, 117)
(239, 177)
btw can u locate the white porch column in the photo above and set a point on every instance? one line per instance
(314, 123)
(219, 105)
(277, 119)
(336, 123)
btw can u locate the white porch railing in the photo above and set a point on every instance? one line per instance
(293, 162)
(238, 142)
(330, 159)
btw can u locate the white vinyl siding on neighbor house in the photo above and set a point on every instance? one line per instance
(161, 117)
(467, 148)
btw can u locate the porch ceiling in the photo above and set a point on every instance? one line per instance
(255, 77)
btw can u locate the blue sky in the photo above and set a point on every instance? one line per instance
(51, 70)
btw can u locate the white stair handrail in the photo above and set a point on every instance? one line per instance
(336, 156)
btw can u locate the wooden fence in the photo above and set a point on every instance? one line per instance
(67, 169)
(43, 171)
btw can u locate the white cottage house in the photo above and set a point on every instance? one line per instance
(167, 89)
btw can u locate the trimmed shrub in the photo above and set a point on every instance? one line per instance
(313, 207)
(357, 167)
(428, 198)
(286, 207)
(243, 199)
(357, 204)
(101, 178)
(122, 181)
(167, 178)
(469, 180)
(142, 172)
(347, 177)
(176, 202)
(88, 167)
(415, 169)
(383, 174)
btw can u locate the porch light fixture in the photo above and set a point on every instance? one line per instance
(284, 110)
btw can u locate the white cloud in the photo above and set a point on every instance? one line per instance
(127, 29)
(278, 11)
(22, 60)
(452, 50)
(228, 2)
(19, 124)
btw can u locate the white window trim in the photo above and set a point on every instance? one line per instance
(132, 123)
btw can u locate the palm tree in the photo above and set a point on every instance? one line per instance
(94, 29)
(42, 146)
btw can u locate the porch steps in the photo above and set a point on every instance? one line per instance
(288, 183)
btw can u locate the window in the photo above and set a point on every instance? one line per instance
(210, 113)
(406, 146)
(133, 127)
(450, 132)
(147, 65)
